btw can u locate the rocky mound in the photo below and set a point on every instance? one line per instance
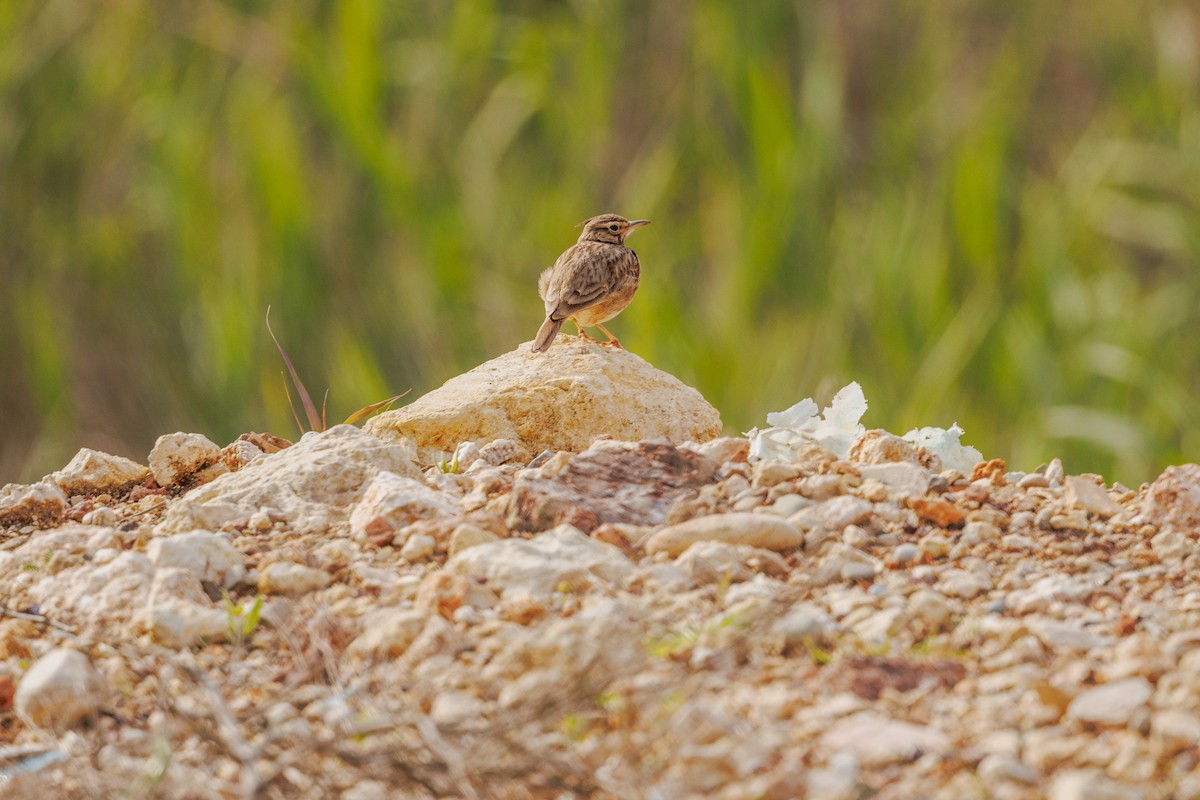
(643, 618)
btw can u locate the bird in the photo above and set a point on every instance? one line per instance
(592, 281)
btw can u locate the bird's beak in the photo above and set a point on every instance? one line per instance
(637, 223)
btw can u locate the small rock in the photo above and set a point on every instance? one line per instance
(1088, 784)
(238, 454)
(935, 544)
(93, 472)
(906, 554)
(179, 623)
(102, 516)
(500, 451)
(725, 449)
(59, 690)
(392, 502)
(42, 504)
(1054, 472)
(1176, 729)
(286, 577)
(562, 557)
(418, 547)
(1090, 497)
(177, 456)
(981, 531)
(788, 504)
(930, 607)
(999, 767)
(961, 583)
(467, 535)
(771, 473)
(1059, 635)
(1173, 500)
(206, 555)
(712, 561)
(802, 623)
(455, 707)
(881, 447)
(878, 740)
(858, 571)
(756, 530)
(1033, 480)
(833, 514)
(904, 478)
(1111, 703)
(387, 633)
(940, 512)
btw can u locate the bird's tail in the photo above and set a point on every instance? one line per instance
(546, 334)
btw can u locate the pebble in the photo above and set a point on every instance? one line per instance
(1089, 784)
(804, 622)
(858, 571)
(286, 577)
(61, 689)
(467, 535)
(789, 504)
(1090, 497)
(1112, 703)
(42, 504)
(930, 607)
(757, 530)
(387, 633)
(92, 472)
(209, 556)
(418, 547)
(906, 554)
(878, 740)
(768, 473)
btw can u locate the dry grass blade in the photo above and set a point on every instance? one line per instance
(374, 408)
(315, 421)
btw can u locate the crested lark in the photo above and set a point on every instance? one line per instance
(592, 281)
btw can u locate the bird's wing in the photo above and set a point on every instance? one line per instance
(584, 276)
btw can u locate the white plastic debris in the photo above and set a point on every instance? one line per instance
(835, 428)
(945, 443)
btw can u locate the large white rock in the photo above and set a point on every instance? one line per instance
(311, 485)
(557, 400)
(180, 455)
(60, 689)
(93, 472)
(540, 565)
(206, 555)
(392, 501)
(41, 504)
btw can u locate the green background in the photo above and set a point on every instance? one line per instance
(984, 212)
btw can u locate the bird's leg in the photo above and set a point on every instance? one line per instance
(612, 340)
(583, 334)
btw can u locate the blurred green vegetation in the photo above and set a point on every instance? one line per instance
(985, 212)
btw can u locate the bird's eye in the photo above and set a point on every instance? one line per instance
(614, 227)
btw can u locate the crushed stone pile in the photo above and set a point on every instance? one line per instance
(829, 612)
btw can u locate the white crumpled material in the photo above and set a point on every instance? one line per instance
(835, 428)
(838, 426)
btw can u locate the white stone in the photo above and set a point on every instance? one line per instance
(557, 400)
(539, 566)
(963, 583)
(454, 707)
(393, 501)
(177, 456)
(466, 536)
(206, 555)
(287, 577)
(179, 623)
(1060, 635)
(387, 633)
(833, 514)
(41, 504)
(59, 690)
(712, 561)
(103, 516)
(418, 547)
(1089, 784)
(804, 622)
(1111, 703)
(93, 472)
(755, 530)
(879, 740)
(904, 478)
(930, 607)
(1089, 496)
(313, 484)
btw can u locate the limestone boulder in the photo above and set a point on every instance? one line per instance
(557, 400)
(311, 486)
(93, 472)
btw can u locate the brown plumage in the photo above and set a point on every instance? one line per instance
(592, 281)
